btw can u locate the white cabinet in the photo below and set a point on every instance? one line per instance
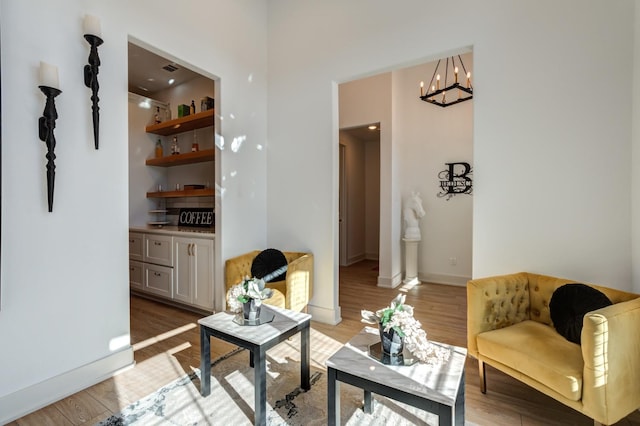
(135, 246)
(173, 266)
(193, 268)
(158, 249)
(136, 274)
(158, 280)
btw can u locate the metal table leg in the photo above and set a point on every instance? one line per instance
(305, 382)
(260, 378)
(205, 362)
(333, 397)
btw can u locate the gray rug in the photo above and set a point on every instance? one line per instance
(231, 399)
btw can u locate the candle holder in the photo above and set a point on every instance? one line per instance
(46, 124)
(91, 81)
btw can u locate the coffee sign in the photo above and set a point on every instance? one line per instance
(196, 216)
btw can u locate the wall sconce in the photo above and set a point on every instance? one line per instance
(49, 85)
(93, 35)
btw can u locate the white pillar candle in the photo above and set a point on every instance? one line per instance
(92, 26)
(49, 75)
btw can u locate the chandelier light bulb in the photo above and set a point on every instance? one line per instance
(422, 88)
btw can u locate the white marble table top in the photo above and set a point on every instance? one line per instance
(437, 383)
(258, 334)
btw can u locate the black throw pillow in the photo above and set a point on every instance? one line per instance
(568, 305)
(270, 265)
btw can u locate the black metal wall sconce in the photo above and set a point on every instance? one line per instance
(93, 35)
(50, 87)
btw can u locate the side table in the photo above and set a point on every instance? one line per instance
(257, 339)
(437, 389)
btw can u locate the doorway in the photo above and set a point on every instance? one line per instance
(359, 205)
(417, 142)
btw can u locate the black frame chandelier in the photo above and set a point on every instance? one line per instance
(446, 95)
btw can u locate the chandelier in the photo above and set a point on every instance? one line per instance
(451, 94)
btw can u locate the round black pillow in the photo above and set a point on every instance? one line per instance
(268, 262)
(568, 305)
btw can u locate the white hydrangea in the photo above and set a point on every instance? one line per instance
(399, 317)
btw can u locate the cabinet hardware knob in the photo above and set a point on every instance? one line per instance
(157, 243)
(157, 274)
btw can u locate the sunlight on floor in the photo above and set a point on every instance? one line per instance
(163, 336)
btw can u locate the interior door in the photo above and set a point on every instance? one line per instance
(342, 208)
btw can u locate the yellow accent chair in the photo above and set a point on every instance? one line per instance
(292, 293)
(509, 327)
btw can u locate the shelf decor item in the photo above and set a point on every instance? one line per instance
(400, 330)
(50, 87)
(93, 35)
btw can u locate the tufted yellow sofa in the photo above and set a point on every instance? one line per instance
(509, 327)
(292, 293)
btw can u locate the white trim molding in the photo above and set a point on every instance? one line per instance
(32, 398)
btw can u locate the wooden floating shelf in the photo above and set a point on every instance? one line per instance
(206, 192)
(181, 159)
(183, 124)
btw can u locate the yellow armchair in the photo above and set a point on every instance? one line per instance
(292, 293)
(509, 327)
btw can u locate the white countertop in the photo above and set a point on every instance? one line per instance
(180, 231)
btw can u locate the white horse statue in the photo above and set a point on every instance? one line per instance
(411, 213)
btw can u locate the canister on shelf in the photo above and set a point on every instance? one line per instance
(194, 145)
(159, 152)
(175, 148)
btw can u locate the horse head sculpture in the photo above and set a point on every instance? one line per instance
(411, 213)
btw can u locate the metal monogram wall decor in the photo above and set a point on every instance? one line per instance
(455, 180)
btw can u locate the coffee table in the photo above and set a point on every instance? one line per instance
(438, 389)
(257, 339)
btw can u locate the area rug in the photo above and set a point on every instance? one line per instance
(232, 391)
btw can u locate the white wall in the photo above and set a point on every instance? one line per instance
(552, 172)
(64, 274)
(429, 137)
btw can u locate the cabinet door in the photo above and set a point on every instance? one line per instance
(183, 288)
(158, 280)
(202, 256)
(135, 246)
(136, 274)
(158, 249)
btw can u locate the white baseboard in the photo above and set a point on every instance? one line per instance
(324, 315)
(392, 282)
(355, 259)
(32, 398)
(458, 280)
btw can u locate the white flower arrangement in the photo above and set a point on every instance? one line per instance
(399, 317)
(249, 288)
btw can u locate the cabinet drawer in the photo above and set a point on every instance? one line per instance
(136, 274)
(158, 249)
(158, 280)
(135, 246)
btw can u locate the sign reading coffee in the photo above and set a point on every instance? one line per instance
(196, 216)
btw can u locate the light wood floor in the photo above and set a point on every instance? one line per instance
(166, 344)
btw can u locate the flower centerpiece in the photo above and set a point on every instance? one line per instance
(399, 328)
(247, 297)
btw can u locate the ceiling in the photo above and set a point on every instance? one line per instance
(363, 133)
(147, 73)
